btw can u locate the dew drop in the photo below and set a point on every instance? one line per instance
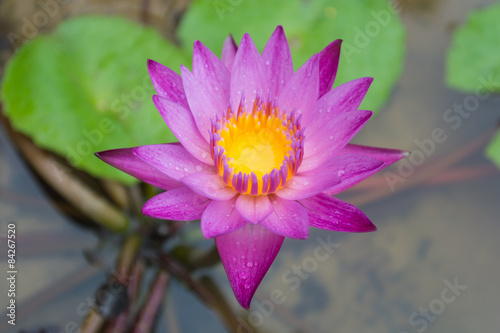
(340, 172)
(186, 169)
(268, 62)
(203, 155)
(249, 264)
(176, 168)
(198, 168)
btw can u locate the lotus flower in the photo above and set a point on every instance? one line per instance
(261, 151)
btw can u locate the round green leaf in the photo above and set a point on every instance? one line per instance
(473, 59)
(373, 35)
(474, 52)
(493, 149)
(85, 88)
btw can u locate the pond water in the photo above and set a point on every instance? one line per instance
(432, 265)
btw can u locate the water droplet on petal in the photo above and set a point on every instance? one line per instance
(203, 155)
(268, 62)
(198, 168)
(249, 264)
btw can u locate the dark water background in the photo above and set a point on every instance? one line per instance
(432, 234)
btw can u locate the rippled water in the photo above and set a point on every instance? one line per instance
(432, 266)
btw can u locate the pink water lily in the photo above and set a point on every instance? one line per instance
(261, 151)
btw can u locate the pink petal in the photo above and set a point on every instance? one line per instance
(254, 208)
(171, 159)
(209, 185)
(204, 103)
(213, 74)
(388, 156)
(126, 161)
(305, 184)
(220, 218)
(181, 123)
(330, 213)
(247, 75)
(351, 169)
(277, 60)
(167, 83)
(321, 145)
(180, 204)
(328, 65)
(301, 90)
(229, 52)
(247, 254)
(344, 98)
(288, 219)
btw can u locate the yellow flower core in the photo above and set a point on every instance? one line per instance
(257, 152)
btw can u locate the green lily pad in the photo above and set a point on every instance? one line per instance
(473, 57)
(85, 88)
(373, 35)
(493, 149)
(472, 63)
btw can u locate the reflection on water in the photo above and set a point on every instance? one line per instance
(431, 266)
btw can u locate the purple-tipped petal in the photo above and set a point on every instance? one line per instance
(167, 83)
(328, 65)
(171, 159)
(321, 145)
(386, 155)
(221, 217)
(213, 74)
(181, 123)
(126, 161)
(288, 219)
(306, 184)
(203, 101)
(228, 52)
(247, 254)
(180, 204)
(247, 76)
(301, 90)
(351, 169)
(330, 213)
(209, 185)
(277, 60)
(254, 208)
(344, 98)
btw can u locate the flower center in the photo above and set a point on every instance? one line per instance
(257, 152)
